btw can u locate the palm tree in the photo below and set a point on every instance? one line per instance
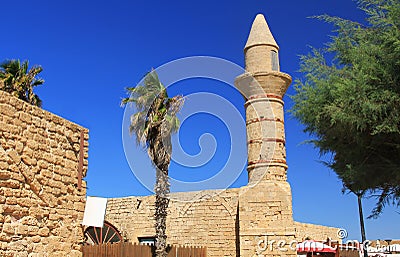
(153, 124)
(18, 80)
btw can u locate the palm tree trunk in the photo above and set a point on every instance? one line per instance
(360, 213)
(162, 189)
(161, 155)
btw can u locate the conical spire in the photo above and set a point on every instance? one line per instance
(260, 33)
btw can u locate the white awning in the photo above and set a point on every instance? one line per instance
(95, 210)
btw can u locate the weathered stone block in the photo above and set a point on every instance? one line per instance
(43, 231)
(7, 110)
(36, 239)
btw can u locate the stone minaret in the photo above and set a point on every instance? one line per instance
(265, 204)
(263, 87)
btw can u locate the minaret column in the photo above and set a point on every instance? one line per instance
(263, 87)
(265, 204)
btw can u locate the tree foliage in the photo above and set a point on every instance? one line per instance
(17, 79)
(349, 100)
(152, 124)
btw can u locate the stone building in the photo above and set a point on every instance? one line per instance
(43, 159)
(254, 220)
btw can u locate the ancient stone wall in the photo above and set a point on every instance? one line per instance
(315, 232)
(41, 206)
(228, 222)
(204, 218)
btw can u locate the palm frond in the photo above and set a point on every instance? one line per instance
(16, 78)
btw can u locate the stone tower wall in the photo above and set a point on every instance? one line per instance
(258, 58)
(40, 205)
(265, 205)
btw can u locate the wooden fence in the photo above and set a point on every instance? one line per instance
(134, 250)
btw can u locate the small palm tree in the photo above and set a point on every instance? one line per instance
(16, 79)
(153, 124)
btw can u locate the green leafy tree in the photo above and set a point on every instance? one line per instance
(17, 79)
(153, 124)
(349, 101)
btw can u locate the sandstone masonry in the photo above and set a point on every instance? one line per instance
(232, 222)
(41, 206)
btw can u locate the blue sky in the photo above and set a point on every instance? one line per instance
(92, 50)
